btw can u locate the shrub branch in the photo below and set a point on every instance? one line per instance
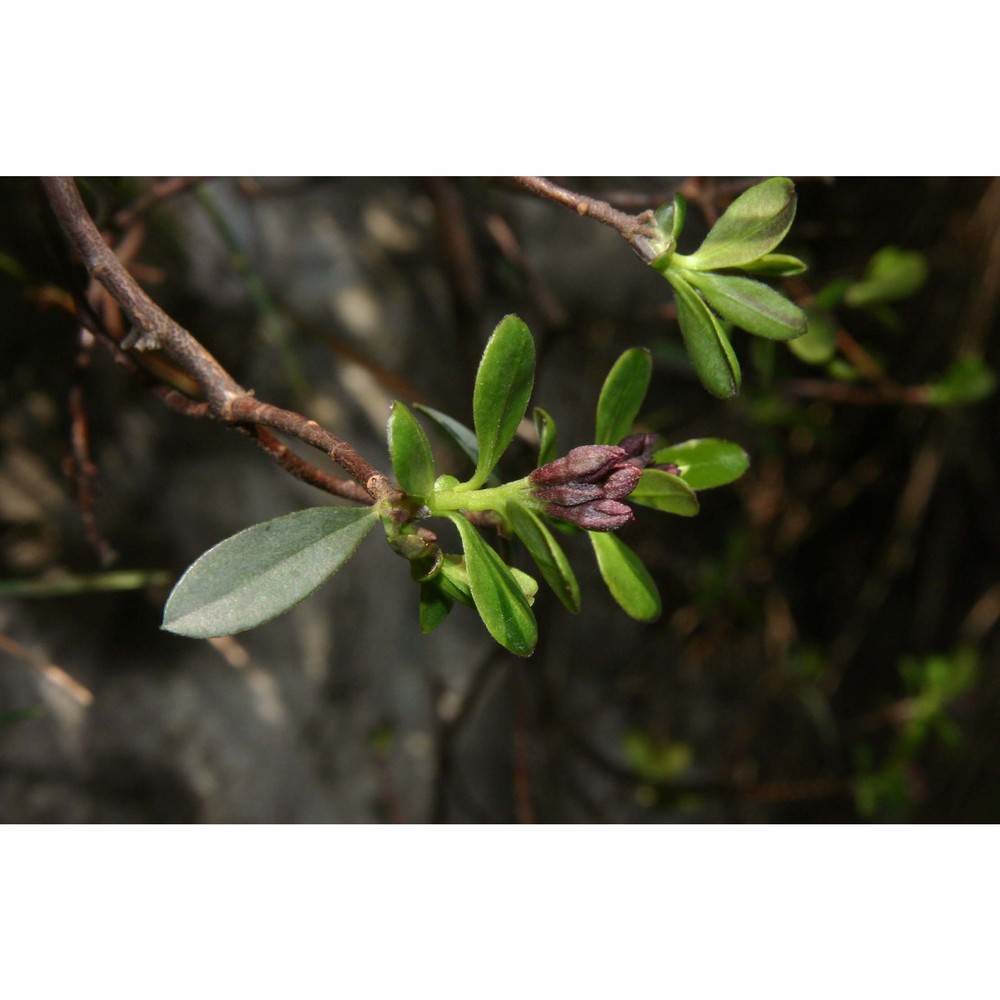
(226, 400)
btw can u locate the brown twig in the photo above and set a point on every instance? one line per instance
(153, 329)
(82, 469)
(303, 470)
(636, 230)
(54, 674)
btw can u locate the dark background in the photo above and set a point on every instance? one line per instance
(828, 646)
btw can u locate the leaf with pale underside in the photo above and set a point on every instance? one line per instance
(260, 572)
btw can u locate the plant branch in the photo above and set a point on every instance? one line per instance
(636, 230)
(153, 329)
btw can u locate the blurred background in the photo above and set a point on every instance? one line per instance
(828, 650)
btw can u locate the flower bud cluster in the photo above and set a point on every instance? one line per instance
(586, 486)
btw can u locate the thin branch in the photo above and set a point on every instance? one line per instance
(52, 673)
(636, 230)
(303, 470)
(153, 329)
(81, 467)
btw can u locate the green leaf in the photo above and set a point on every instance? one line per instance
(503, 387)
(670, 217)
(680, 215)
(665, 491)
(892, 274)
(967, 380)
(412, 460)
(626, 577)
(549, 557)
(498, 596)
(706, 462)
(775, 265)
(527, 583)
(622, 394)
(751, 305)
(669, 220)
(454, 430)
(454, 576)
(548, 440)
(706, 342)
(256, 575)
(664, 216)
(752, 226)
(434, 606)
(454, 579)
(818, 344)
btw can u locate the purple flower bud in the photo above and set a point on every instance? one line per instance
(599, 515)
(587, 464)
(585, 485)
(639, 448)
(571, 493)
(621, 481)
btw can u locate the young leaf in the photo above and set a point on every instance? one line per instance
(498, 596)
(548, 440)
(669, 220)
(549, 557)
(751, 305)
(527, 583)
(664, 216)
(410, 451)
(665, 491)
(434, 606)
(753, 225)
(622, 395)
(256, 575)
(706, 462)
(626, 577)
(454, 579)
(503, 386)
(775, 265)
(706, 342)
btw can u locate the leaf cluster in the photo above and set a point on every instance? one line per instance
(257, 574)
(712, 288)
